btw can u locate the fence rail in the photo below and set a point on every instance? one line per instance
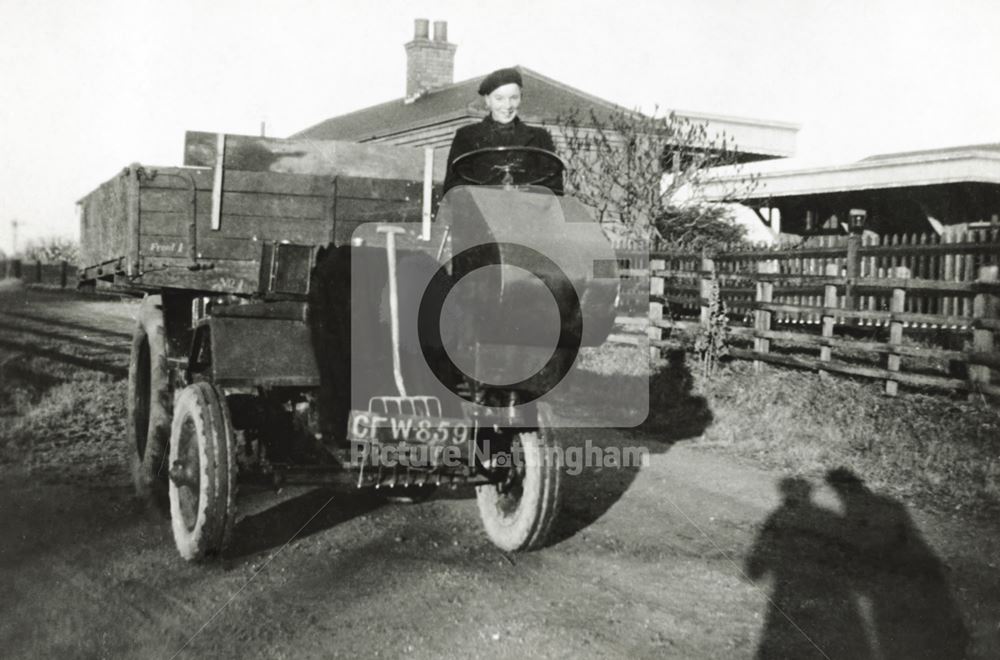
(916, 310)
(61, 273)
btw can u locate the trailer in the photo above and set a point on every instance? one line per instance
(276, 276)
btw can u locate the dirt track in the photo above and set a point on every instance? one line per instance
(648, 562)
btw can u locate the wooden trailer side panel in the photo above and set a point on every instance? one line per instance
(153, 227)
(104, 222)
(309, 156)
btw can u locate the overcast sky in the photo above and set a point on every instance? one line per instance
(88, 87)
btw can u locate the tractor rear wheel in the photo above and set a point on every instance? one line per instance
(150, 400)
(202, 472)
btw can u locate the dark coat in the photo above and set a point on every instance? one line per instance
(489, 133)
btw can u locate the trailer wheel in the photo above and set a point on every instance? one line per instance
(518, 514)
(150, 401)
(202, 472)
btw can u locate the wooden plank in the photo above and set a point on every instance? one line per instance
(904, 250)
(313, 231)
(298, 156)
(914, 285)
(218, 175)
(178, 178)
(762, 317)
(688, 300)
(806, 339)
(257, 204)
(814, 364)
(987, 359)
(985, 306)
(132, 264)
(103, 222)
(154, 248)
(705, 289)
(368, 188)
(828, 320)
(680, 324)
(896, 306)
(905, 317)
(932, 319)
(654, 330)
(986, 324)
(374, 210)
(795, 253)
(224, 277)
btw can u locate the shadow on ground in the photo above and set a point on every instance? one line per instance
(299, 517)
(676, 413)
(862, 584)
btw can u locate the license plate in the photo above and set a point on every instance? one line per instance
(380, 428)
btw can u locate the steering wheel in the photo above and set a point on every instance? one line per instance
(509, 166)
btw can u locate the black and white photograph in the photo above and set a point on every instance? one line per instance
(554, 329)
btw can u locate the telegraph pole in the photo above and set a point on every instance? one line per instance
(13, 240)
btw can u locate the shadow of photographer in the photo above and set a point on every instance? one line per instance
(862, 584)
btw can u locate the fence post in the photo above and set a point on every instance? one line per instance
(705, 288)
(897, 305)
(853, 270)
(829, 303)
(762, 317)
(654, 330)
(63, 273)
(17, 268)
(985, 305)
(38, 271)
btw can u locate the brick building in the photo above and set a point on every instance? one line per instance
(434, 106)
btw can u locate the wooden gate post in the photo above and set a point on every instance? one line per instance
(63, 271)
(656, 288)
(896, 306)
(38, 271)
(17, 268)
(705, 288)
(762, 317)
(985, 307)
(829, 320)
(853, 272)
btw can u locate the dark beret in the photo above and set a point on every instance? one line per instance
(499, 78)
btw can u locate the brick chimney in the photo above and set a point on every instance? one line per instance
(430, 63)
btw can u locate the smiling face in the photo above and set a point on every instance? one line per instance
(503, 102)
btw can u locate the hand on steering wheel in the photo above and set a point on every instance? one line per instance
(509, 166)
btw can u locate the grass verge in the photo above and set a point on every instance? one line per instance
(934, 449)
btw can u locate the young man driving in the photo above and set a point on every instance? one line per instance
(501, 92)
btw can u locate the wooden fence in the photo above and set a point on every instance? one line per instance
(61, 273)
(904, 309)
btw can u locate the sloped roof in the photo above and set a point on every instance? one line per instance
(979, 164)
(544, 100)
(941, 151)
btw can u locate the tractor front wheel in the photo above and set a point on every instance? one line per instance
(202, 472)
(518, 513)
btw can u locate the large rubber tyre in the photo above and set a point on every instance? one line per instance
(202, 473)
(519, 516)
(150, 403)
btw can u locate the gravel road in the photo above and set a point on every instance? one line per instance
(693, 555)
